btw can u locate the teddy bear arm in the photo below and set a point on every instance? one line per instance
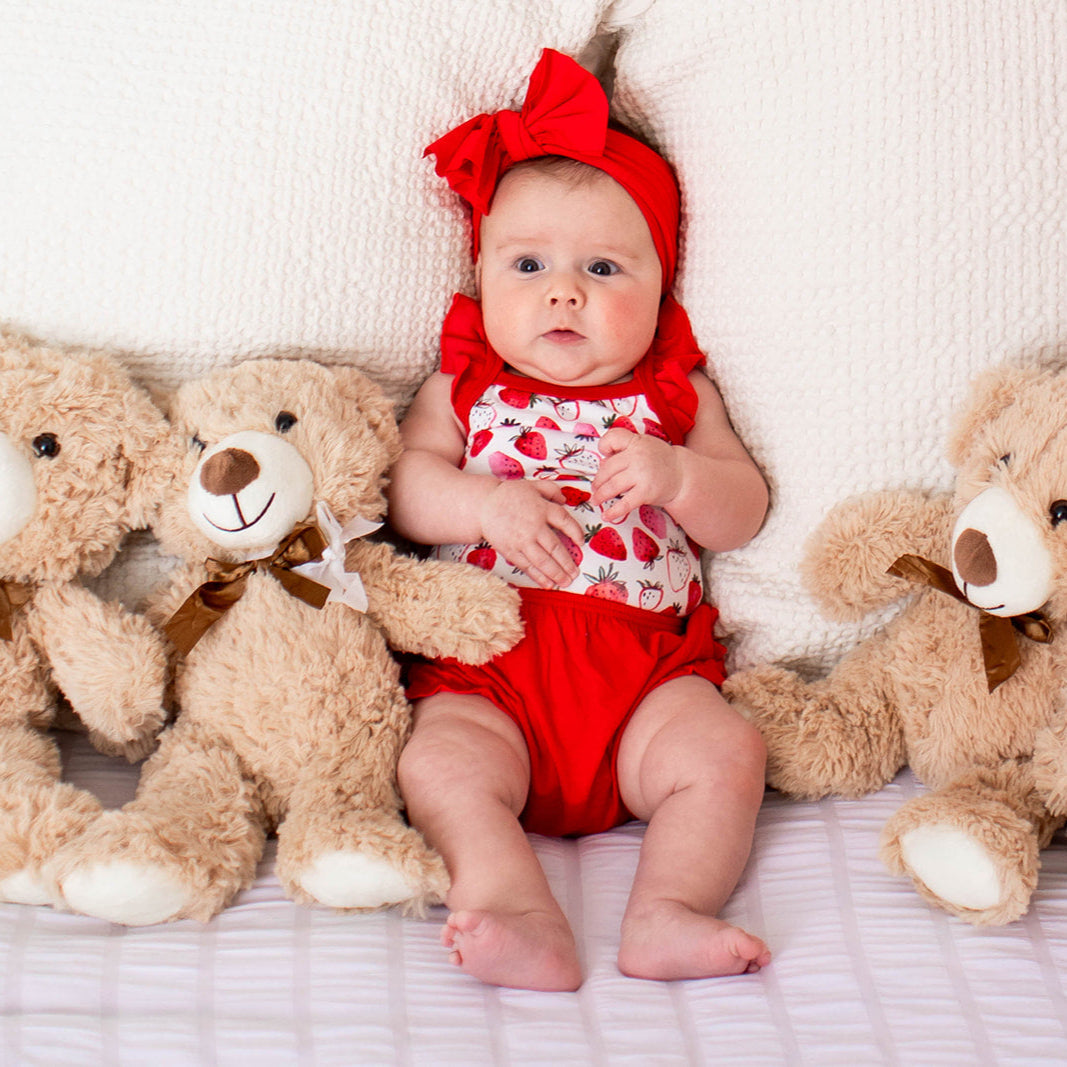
(1050, 762)
(107, 661)
(26, 692)
(846, 560)
(436, 608)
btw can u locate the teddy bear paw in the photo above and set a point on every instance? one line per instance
(131, 894)
(26, 886)
(347, 879)
(953, 866)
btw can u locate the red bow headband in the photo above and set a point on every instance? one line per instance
(565, 113)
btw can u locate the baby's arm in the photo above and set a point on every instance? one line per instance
(709, 485)
(433, 501)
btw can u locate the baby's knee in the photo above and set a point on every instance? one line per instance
(751, 749)
(750, 758)
(450, 756)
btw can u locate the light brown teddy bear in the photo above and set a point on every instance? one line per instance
(291, 715)
(78, 450)
(964, 681)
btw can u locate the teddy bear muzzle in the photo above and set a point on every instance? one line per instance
(249, 490)
(999, 559)
(18, 490)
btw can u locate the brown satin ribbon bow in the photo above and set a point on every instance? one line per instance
(226, 585)
(13, 595)
(1000, 650)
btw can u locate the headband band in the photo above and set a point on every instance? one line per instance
(565, 113)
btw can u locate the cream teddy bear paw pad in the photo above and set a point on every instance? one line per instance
(953, 866)
(345, 879)
(123, 892)
(25, 887)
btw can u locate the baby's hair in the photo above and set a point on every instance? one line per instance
(571, 171)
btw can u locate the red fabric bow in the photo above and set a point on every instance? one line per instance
(565, 111)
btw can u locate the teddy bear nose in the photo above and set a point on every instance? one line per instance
(228, 472)
(975, 562)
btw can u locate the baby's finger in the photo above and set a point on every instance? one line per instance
(615, 485)
(614, 441)
(565, 523)
(549, 489)
(545, 571)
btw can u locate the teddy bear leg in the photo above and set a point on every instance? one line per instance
(38, 813)
(345, 844)
(187, 843)
(973, 847)
(834, 735)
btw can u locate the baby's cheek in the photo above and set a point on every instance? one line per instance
(632, 326)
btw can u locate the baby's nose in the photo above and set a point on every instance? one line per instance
(566, 292)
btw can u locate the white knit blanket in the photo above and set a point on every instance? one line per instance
(874, 194)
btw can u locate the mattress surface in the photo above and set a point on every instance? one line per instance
(864, 971)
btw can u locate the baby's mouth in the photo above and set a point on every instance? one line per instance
(563, 337)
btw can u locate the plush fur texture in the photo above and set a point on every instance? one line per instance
(290, 718)
(916, 691)
(79, 444)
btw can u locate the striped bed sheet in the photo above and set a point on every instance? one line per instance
(864, 971)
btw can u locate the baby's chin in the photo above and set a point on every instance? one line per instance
(577, 377)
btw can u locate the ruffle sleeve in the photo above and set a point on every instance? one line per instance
(665, 371)
(465, 354)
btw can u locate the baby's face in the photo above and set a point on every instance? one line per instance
(568, 278)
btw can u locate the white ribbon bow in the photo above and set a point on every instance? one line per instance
(346, 587)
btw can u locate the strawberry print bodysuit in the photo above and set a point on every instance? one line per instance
(521, 428)
(525, 430)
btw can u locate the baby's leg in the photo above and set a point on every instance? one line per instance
(464, 776)
(693, 768)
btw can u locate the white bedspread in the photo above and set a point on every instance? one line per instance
(864, 973)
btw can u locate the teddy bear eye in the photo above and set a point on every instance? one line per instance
(284, 421)
(1005, 460)
(1058, 512)
(45, 446)
(195, 442)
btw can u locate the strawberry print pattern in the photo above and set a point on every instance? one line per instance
(646, 560)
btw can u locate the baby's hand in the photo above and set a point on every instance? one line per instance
(637, 469)
(523, 521)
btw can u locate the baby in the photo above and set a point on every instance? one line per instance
(571, 444)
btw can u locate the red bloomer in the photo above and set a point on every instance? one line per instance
(571, 685)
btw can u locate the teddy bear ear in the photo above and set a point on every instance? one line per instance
(992, 392)
(152, 454)
(379, 410)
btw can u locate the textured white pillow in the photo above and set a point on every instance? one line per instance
(205, 180)
(875, 198)
(194, 183)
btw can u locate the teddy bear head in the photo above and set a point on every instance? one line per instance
(1009, 448)
(78, 447)
(265, 441)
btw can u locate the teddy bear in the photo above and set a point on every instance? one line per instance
(963, 682)
(78, 448)
(283, 612)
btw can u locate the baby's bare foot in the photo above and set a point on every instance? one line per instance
(669, 941)
(529, 950)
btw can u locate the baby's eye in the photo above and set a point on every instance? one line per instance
(603, 267)
(529, 265)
